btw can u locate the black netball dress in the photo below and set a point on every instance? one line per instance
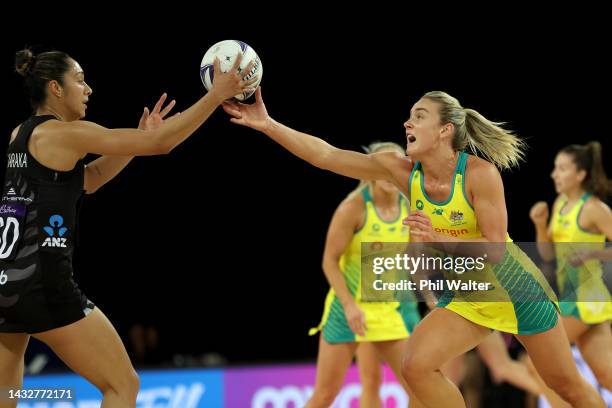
(37, 231)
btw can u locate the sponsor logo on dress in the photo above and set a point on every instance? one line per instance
(56, 232)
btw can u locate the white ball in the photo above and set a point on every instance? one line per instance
(227, 51)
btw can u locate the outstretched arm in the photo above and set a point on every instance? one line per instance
(81, 137)
(379, 166)
(105, 168)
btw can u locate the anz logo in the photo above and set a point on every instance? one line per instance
(56, 232)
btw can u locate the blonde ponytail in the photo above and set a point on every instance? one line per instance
(485, 138)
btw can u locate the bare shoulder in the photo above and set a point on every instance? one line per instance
(480, 173)
(61, 127)
(353, 205)
(351, 211)
(596, 216)
(595, 207)
(14, 133)
(65, 133)
(480, 166)
(52, 144)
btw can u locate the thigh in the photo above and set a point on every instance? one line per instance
(92, 348)
(596, 348)
(574, 328)
(551, 345)
(333, 361)
(442, 336)
(392, 353)
(12, 347)
(368, 361)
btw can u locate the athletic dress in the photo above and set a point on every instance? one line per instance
(582, 291)
(523, 301)
(37, 228)
(384, 320)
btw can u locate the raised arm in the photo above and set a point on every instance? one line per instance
(103, 169)
(539, 215)
(82, 137)
(378, 166)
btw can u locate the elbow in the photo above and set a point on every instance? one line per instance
(327, 263)
(160, 144)
(161, 147)
(167, 148)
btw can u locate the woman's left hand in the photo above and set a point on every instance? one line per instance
(154, 119)
(421, 227)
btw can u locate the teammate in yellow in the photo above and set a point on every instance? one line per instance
(579, 226)
(372, 214)
(459, 198)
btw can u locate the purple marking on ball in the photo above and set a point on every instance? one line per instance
(243, 46)
(211, 72)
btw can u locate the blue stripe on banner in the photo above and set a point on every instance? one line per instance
(186, 388)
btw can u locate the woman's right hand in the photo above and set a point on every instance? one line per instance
(355, 318)
(252, 115)
(228, 84)
(539, 213)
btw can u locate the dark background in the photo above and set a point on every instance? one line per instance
(219, 244)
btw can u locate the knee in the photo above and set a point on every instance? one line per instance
(569, 388)
(416, 367)
(125, 385)
(131, 383)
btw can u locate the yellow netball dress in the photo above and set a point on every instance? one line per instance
(523, 300)
(384, 320)
(582, 291)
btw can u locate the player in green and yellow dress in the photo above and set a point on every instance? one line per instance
(438, 131)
